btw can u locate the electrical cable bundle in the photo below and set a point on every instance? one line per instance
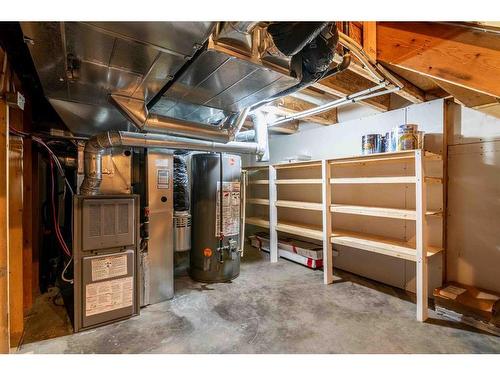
(53, 160)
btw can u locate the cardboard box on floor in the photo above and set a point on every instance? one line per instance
(468, 300)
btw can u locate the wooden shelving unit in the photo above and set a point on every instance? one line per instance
(417, 252)
(299, 181)
(380, 245)
(301, 205)
(394, 213)
(304, 230)
(257, 176)
(286, 176)
(322, 173)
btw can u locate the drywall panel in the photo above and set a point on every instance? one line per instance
(474, 213)
(471, 126)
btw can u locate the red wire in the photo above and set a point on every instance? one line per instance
(55, 218)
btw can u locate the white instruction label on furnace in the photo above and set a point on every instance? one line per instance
(108, 295)
(230, 209)
(108, 267)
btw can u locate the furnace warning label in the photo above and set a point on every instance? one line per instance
(230, 209)
(108, 267)
(108, 295)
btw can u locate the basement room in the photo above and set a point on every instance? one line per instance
(317, 183)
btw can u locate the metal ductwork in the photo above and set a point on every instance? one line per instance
(97, 145)
(199, 75)
(137, 112)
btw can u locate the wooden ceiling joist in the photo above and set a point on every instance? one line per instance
(458, 55)
(290, 105)
(348, 82)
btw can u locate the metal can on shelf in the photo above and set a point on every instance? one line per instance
(407, 137)
(390, 141)
(371, 144)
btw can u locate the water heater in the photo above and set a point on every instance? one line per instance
(215, 240)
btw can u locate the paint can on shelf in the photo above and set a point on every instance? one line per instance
(371, 144)
(406, 137)
(390, 141)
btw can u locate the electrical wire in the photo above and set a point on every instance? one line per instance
(64, 272)
(57, 230)
(49, 150)
(53, 160)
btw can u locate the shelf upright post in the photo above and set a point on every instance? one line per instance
(326, 188)
(273, 215)
(421, 236)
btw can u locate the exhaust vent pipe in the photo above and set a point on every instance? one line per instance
(97, 146)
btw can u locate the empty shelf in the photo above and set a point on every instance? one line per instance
(299, 181)
(258, 201)
(258, 182)
(397, 156)
(256, 167)
(395, 213)
(374, 180)
(302, 164)
(257, 221)
(379, 244)
(301, 205)
(374, 211)
(304, 230)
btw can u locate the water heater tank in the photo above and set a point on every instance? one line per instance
(215, 252)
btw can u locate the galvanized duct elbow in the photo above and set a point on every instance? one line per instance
(97, 146)
(137, 112)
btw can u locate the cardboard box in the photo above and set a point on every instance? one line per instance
(468, 300)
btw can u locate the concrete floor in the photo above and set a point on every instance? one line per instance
(277, 308)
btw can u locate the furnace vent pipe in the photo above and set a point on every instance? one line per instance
(136, 111)
(97, 145)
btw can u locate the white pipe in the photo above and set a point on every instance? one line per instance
(352, 98)
(97, 145)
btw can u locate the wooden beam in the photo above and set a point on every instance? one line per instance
(466, 97)
(16, 290)
(291, 105)
(370, 38)
(409, 91)
(4, 233)
(454, 54)
(348, 82)
(290, 127)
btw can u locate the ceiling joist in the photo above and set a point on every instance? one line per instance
(458, 55)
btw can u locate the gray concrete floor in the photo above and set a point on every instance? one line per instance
(277, 308)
